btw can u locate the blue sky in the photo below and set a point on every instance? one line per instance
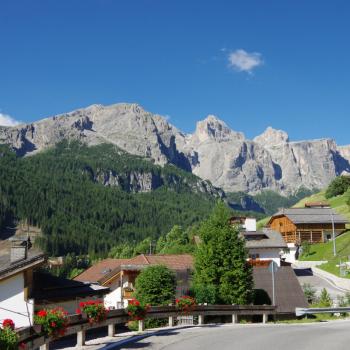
(251, 63)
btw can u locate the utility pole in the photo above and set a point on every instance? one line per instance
(333, 234)
(273, 268)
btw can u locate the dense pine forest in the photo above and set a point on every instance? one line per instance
(88, 200)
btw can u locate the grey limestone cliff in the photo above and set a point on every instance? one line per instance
(214, 152)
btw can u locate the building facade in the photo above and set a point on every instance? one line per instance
(313, 225)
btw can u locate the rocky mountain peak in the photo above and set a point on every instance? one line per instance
(272, 137)
(214, 128)
(213, 152)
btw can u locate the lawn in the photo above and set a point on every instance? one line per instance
(324, 251)
(263, 222)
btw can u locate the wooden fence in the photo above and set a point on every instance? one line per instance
(79, 325)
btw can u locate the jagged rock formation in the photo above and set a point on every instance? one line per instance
(228, 160)
(214, 152)
(136, 181)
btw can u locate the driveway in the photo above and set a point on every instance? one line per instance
(306, 276)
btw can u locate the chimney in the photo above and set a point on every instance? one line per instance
(250, 224)
(19, 249)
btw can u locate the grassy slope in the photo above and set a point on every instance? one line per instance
(324, 251)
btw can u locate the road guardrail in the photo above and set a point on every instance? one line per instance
(320, 310)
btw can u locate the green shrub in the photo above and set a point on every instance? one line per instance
(305, 248)
(309, 292)
(338, 186)
(325, 299)
(156, 285)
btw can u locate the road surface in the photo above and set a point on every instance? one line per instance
(306, 276)
(316, 336)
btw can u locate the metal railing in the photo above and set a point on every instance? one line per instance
(321, 310)
(79, 325)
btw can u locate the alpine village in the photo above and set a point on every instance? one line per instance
(94, 237)
(124, 227)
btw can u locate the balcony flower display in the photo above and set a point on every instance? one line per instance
(136, 310)
(94, 309)
(8, 335)
(185, 303)
(53, 321)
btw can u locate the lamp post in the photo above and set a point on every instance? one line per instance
(333, 234)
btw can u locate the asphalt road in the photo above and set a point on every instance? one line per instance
(306, 276)
(316, 336)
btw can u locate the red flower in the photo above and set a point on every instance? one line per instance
(8, 323)
(22, 345)
(78, 311)
(53, 324)
(42, 313)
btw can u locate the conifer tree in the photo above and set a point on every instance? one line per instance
(222, 274)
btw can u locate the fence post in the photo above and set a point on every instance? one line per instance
(171, 321)
(141, 325)
(234, 318)
(45, 346)
(201, 319)
(81, 338)
(111, 330)
(265, 317)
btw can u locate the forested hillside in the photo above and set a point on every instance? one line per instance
(89, 199)
(266, 202)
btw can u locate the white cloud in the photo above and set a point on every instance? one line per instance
(6, 120)
(243, 61)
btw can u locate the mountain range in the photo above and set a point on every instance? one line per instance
(213, 152)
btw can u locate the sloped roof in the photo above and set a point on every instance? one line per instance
(50, 288)
(34, 259)
(109, 267)
(265, 238)
(288, 291)
(311, 215)
(174, 262)
(100, 270)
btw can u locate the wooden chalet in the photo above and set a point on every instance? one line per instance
(312, 224)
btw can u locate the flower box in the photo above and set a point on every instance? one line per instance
(136, 310)
(185, 304)
(93, 310)
(53, 322)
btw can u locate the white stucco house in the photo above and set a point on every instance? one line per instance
(264, 245)
(16, 282)
(24, 289)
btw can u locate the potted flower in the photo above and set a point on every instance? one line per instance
(53, 322)
(94, 310)
(136, 310)
(8, 335)
(185, 303)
